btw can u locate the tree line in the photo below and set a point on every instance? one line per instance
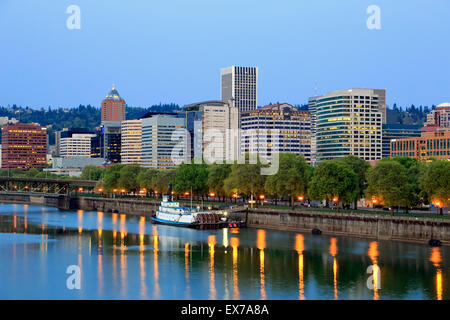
(400, 181)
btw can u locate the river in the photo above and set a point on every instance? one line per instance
(127, 257)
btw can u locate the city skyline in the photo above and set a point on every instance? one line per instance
(65, 68)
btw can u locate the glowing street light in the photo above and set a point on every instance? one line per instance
(100, 189)
(79, 189)
(335, 199)
(300, 198)
(114, 190)
(262, 197)
(186, 193)
(212, 194)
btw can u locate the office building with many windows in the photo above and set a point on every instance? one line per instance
(213, 128)
(24, 146)
(439, 117)
(431, 144)
(276, 129)
(113, 107)
(131, 146)
(240, 85)
(74, 143)
(164, 140)
(349, 122)
(106, 143)
(397, 131)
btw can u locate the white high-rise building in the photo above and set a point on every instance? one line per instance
(75, 145)
(164, 141)
(131, 143)
(240, 84)
(349, 122)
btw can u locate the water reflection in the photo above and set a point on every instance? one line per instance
(133, 259)
(235, 244)
(156, 289)
(333, 251)
(212, 282)
(261, 245)
(143, 291)
(373, 255)
(300, 247)
(186, 269)
(436, 259)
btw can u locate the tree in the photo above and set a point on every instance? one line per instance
(91, 173)
(334, 179)
(163, 179)
(111, 177)
(217, 174)
(359, 167)
(128, 177)
(415, 170)
(291, 179)
(191, 175)
(388, 182)
(435, 181)
(245, 179)
(146, 179)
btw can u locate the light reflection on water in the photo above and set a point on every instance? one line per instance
(126, 257)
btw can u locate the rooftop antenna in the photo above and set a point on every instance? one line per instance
(315, 87)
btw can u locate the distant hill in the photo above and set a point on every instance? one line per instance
(408, 115)
(79, 117)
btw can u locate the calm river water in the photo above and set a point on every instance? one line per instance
(127, 257)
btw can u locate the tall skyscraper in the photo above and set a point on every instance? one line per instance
(349, 122)
(212, 126)
(113, 107)
(240, 84)
(164, 141)
(131, 141)
(294, 131)
(24, 146)
(312, 111)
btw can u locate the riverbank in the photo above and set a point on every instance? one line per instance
(374, 226)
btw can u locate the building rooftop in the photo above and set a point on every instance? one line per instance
(113, 95)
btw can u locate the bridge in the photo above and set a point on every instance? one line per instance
(42, 185)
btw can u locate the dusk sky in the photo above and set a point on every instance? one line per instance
(173, 50)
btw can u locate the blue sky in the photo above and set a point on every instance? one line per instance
(172, 50)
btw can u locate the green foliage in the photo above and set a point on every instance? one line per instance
(359, 167)
(291, 178)
(111, 177)
(245, 179)
(146, 179)
(191, 175)
(334, 178)
(91, 173)
(388, 182)
(218, 173)
(435, 181)
(163, 179)
(128, 178)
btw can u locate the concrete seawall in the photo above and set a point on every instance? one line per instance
(360, 225)
(132, 207)
(333, 223)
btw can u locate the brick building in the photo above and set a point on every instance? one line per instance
(431, 144)
(24, 146)
(113, 107)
